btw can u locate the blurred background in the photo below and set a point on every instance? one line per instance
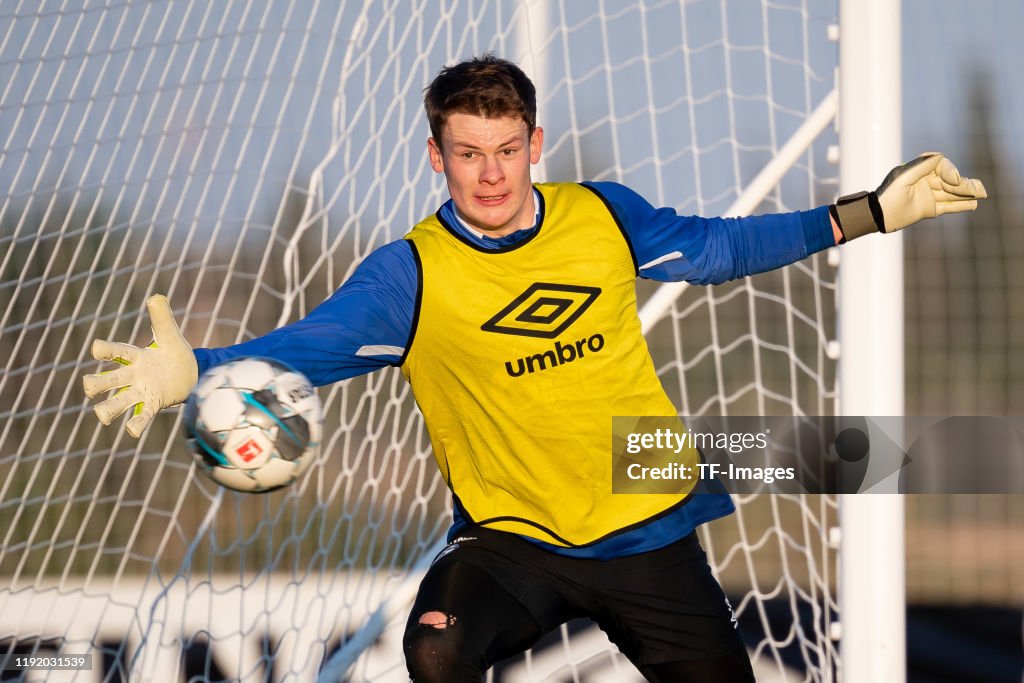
(243, 157)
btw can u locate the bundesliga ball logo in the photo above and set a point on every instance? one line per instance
(253, 424)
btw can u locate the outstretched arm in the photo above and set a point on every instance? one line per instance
(702, 251)
(362, 327)
(670, 247)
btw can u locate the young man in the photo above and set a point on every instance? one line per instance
(512, 313)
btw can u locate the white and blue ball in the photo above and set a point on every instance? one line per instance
(253, 424)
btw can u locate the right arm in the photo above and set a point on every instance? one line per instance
(365, 325)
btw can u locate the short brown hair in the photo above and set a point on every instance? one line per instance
(485, 86)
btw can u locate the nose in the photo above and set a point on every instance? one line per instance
(492, 172)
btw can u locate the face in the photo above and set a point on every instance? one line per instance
(487, 165)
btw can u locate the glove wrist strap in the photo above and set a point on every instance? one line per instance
(858, 214)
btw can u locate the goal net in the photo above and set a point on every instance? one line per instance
(243, 157)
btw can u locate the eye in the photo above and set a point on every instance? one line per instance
(508, 152)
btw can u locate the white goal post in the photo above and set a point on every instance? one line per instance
(243, 157)
(871, 376)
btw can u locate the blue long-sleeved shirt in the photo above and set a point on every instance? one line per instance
(366, 324)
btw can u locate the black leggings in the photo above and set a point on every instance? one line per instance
(477, 624)
(464, 620)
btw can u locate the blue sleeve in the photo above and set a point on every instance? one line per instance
(363, 326)
(669, 247)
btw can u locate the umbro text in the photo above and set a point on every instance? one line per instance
(559, 355)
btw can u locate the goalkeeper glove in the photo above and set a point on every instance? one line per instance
(155, 377)
(926, 187)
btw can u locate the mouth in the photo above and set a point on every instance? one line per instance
(491, 199)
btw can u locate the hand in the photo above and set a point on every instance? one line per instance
(153, 378)
(926, 187)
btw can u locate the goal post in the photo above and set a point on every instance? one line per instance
(871, 369)
(243, 157)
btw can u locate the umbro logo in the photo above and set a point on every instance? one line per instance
(544, 310)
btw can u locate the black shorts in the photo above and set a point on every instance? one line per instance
(660, 606)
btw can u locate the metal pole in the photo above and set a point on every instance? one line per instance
(872, 593)
(535, 27)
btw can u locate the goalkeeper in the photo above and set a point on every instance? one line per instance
(512, 313)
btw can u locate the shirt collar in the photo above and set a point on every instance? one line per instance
(487, 241)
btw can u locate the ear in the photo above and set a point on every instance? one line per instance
(436, 158)
(536, 144)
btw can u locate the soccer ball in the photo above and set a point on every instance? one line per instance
(253, 424)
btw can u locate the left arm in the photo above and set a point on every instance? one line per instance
(669, 247)
(703, 251)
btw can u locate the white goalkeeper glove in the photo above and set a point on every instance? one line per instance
(926, 187)
(155, 377)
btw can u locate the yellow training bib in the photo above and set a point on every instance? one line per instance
(520, 358)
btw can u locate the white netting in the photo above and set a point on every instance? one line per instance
(242, 157)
